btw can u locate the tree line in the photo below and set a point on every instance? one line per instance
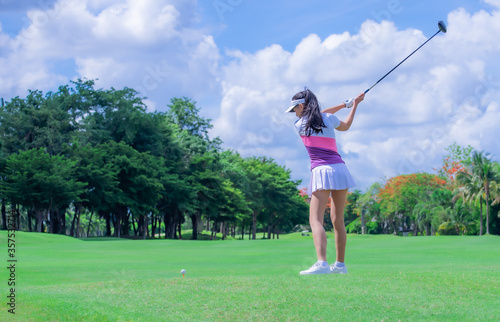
(461, 198)
(83, 161)
(91, 162)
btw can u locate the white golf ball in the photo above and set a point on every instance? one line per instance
(183, 271)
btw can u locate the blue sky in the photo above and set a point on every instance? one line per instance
(242, 60)
(252, 25)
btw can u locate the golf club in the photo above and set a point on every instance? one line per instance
(442, 27)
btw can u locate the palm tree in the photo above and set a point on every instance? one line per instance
(365, 202)
(461, 217)
(469, 190)
(487, 174)
(495, 187)
(478, 183)
(421, 213)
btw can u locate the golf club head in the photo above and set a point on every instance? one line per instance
(442, 26)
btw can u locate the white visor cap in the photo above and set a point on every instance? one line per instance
(295, 103)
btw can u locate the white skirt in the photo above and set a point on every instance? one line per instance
(330, 177)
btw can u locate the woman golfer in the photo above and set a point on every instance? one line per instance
(329, 174)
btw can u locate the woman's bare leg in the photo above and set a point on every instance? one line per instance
(319, 200)
(337, 215)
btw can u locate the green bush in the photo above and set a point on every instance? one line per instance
(372, 227)
(354, 227)
(448, 228)
(473, 228)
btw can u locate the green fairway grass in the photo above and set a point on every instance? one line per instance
(390, 278)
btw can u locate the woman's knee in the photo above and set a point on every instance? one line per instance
(315, 222)
(337, 220)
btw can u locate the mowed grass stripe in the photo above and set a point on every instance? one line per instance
(61, 278)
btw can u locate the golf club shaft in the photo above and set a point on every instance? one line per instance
(402, 61)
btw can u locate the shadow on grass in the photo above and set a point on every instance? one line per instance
(186, 235)
(205, 235)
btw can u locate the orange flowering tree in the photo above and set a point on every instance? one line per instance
(303, 193)
(399, 196)
(457, 160)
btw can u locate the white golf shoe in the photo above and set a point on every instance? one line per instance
(338, 270)
(317, 268)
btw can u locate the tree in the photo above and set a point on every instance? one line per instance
(117, 115)
(184, 113)
(200, 158)
(232, 207)
(204, 178)
(176, 199)
(479, 180)
(36, 122)
(432, 210)
(461, 217)
(469, 189)
(495, 196)
(254, 191)
(232, 169)
(351, 211)
(401, 194)
(95, 170)
(280, 193)
(3, 163)
(41, 182)
(97, 153)
(367, 204)
(139, 186)
(457, 160)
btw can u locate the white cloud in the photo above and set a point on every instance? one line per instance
(149, 45)
(495, 3)
(446, 92)
(144, 21)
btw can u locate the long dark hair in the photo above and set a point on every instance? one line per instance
(312, 113)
